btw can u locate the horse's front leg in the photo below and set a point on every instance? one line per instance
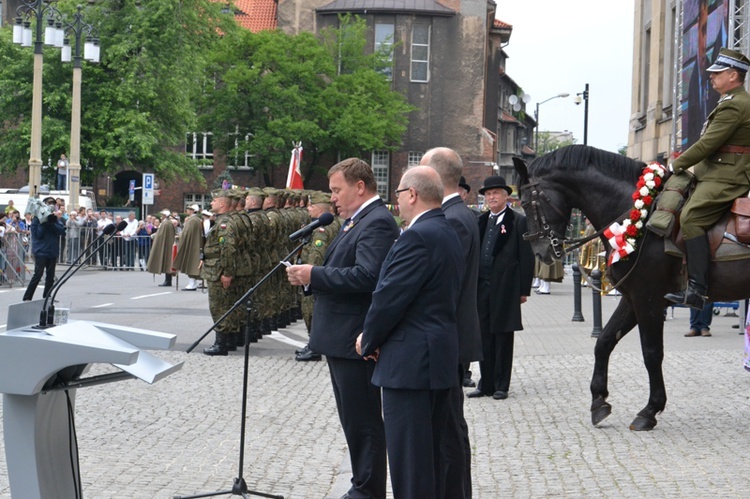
(622, 321)
(651, 328)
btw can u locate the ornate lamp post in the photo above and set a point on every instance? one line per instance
(91, 53)
(40, 10)
(536, 118)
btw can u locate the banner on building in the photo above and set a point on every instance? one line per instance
(704, 33)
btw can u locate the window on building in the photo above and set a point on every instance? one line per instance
(241, 158)
(202, 200)
(200, 147)
(384, 45)
(414, 158)
(380, 168)
(510, 140)
(420, 53)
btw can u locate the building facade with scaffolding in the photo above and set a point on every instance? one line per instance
(675, 41)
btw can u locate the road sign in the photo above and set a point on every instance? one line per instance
(148, 189)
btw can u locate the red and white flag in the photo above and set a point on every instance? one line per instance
(294, 177)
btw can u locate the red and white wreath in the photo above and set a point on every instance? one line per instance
(622, 237)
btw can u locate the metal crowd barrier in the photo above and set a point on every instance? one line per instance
(120, 253)
(14, 259)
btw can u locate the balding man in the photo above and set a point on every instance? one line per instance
(410, 330)
(456, 454)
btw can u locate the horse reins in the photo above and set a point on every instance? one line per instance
(567, 245)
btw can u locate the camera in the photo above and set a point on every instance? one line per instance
(38, 209)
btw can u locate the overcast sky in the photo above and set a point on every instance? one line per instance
(557, 47)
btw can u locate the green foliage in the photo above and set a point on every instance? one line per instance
(170, 67)
(548, 143)
(136, 105)
(279, 89)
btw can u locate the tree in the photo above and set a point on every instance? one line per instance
(278, 89)
(549, 143)
(137, 104)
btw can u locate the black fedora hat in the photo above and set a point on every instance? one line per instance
(462, 183)
(495, 182)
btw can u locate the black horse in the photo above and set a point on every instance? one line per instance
(601, 185)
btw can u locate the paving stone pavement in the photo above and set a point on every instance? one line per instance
(180, 436)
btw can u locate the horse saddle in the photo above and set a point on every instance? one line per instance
(729, 238)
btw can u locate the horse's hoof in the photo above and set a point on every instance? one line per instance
(643, 423)
(600, 413)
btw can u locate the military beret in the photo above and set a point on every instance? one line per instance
(320, 198)
(220, 193)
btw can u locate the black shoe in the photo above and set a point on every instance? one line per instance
(500, 395)
(216, 349)
(305, 349)
(476, 394)
(165, 285)
(469, 383)
(308, 356)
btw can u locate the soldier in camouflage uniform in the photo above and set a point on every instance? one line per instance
(313, 254)
(218, 270)
(246, 266)
(262, 245)
(276, 228)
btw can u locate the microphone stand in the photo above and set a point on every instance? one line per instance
(47, 315)
(239, 486)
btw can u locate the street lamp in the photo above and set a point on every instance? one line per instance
(584, 96)
(22, 33)
(77, 28)
(536, 118)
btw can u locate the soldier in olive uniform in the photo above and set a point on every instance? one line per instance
(263, 245)
(218, 270)
(313, 254)
(721, 161)
(276, 228)
(246, 264)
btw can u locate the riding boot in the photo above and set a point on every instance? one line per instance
(219, 347)
(167, 281)
(698, 255)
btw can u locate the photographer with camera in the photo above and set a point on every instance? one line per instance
(45, 246)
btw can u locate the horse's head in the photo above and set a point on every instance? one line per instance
(546, 220)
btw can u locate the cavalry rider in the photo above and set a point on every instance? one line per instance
(721, 160)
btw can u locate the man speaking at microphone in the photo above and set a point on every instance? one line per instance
(343, 287)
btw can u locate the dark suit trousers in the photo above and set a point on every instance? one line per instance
(496, 368)
(359, 405)
(415, 423)
(455, 456)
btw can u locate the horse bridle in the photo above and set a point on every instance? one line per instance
(557, 242)
(537, 214)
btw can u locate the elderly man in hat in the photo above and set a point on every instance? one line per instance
(160, 257)
(721, 165)
(506, 269)
(189, 247)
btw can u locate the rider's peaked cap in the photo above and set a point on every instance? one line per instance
(495, 182)
(730, 59)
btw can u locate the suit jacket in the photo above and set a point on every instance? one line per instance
(343, 285)
(511, 274)
(728, 124)
(413, 314)
(464, 222)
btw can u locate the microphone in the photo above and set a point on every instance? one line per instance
(47, 316)
(321, 221)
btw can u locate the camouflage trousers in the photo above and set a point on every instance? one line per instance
(219, 301)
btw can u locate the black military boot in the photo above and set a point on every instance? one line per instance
(167, 281)
(219, 347)
(698, 257)
(254, 331)
(239, 338)
(265, 326)
(233, 339)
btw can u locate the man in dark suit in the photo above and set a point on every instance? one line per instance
(506, 269)
(343, 286)
(410, 330)
(456, 452)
